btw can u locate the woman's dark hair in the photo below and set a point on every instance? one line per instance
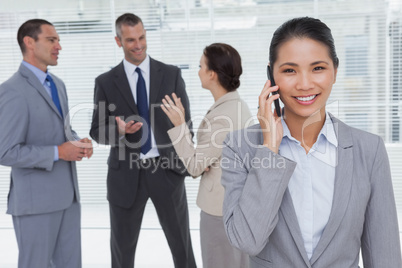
(225, 61)
(31, 28)
(304, 27)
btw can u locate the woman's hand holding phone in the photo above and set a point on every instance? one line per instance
(270, 123)
(270, 76)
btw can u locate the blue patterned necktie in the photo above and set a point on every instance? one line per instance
(142, 105)
(55, 95)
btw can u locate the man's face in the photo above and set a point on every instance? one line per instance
(45, 50)
(134, 43)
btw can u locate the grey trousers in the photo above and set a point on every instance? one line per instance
(215, 247)
(50, 239)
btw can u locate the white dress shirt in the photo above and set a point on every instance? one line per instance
(312, 183)
(132, 77)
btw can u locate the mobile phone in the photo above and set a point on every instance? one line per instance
(276, 102)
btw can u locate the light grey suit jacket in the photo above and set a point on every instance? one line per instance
(30, 127)
(260, 218)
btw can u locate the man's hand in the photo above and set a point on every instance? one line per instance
(127, 128)
(88, 150)
(75, 150)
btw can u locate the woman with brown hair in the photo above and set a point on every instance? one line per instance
(220, 70)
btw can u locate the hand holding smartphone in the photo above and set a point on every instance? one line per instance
(276, 102)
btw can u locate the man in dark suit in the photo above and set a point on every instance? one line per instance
(142, 161)
(37, 142)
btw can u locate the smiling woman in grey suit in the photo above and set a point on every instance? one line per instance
(220, 69)
(306, 190)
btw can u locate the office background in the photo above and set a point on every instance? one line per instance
(367, 94)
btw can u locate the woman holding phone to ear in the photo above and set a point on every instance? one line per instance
(220, 70)
(321, 191)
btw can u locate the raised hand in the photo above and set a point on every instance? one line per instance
(270, 123)
(174, 109)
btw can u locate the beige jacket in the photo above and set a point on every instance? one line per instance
(228, 113)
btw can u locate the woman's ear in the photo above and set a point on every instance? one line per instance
(212, 75)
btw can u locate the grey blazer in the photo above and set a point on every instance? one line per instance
(30, 127)
(260, 219)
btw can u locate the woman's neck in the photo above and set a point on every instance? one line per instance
(305, 129)
(218, 91)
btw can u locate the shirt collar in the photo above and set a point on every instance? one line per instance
(37, 72)
(130, 68)
(327, 132)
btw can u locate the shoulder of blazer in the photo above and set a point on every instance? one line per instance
(349, 136)
(231, 110)
(156, 65)
(226, 110)
(11, 82)
(20, 80)
(115, 71)
(12, 87)
(225, 103)
(247, 137)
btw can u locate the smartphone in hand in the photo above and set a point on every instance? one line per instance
(276, 102)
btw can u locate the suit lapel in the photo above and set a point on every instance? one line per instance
(123, 86)
(342, 188)
(35, 83)
(156, 77)
(286, 209)
(290, 218)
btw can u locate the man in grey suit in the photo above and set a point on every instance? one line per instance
(142, 162)
(37, 142)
